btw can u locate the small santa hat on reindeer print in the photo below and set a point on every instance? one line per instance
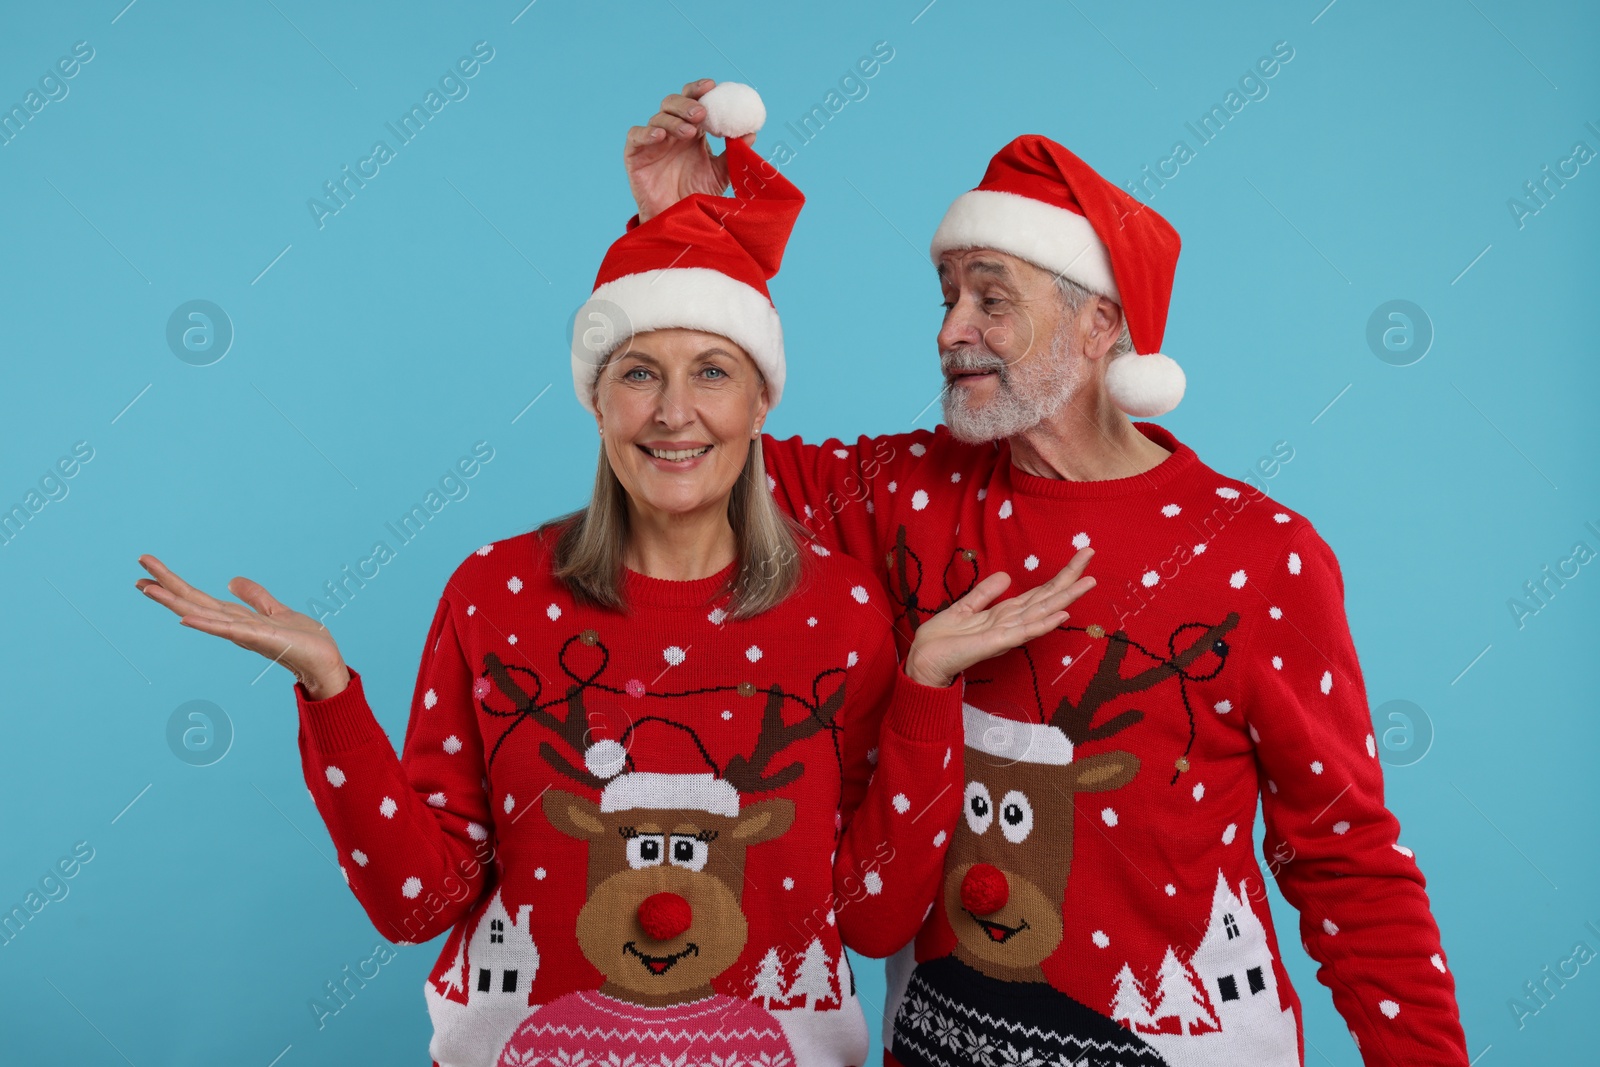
(659, 764)
(703, 263)
(1041, 203)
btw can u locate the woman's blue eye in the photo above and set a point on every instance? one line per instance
(714, 371)
(636, 370)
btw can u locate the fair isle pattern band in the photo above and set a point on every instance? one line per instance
(1051, 237)
(692, 298)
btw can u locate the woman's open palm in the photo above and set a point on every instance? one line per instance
(976, 627)
(281, 634)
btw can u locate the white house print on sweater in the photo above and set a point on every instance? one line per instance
(1238, 1017)
(495, 966)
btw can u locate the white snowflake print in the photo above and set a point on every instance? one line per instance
(515, 584)
(511, 639)
(726, 714)
(673, 655)
(436, 800)
(1149, 578)
(946, 762)
(1389, 1008)
(1253, 735)
(752, 653)
(874, 883)
(772, 484)
(1437, 961)
(1316, 766)
(359, 856)
(477, 832)
(859, 594)
(812, 621)
(1372, 747)
(1223, 706)
(938, 839)
(539, 874)
(919, 500)
(1171, 890)
(336, 777)
(1005, 509)
(1066, 661)
(1199, 790)
(388, 807)
(851, 660)
(510, 803)
(472, 609)
(485, 550)
(1100, 939)
(1330, 926)
(1327, 682)
(412, 889)
(1341, 827)
(872, 755)
(430, 698)
(918, 449)
(1032, 563)
(1406, 852)
(893, 486)
(842, 453)
(1237, 579)
(1227, 493)
(1080, 540)
(901, 802)
(1275, 612)
(1171, 510)
(1108, 816)
(553, 611)
(1294, 563)
(819, 549)
(452, 744)
(788, 883)
(1277, 663)
(1272, 787)
(1229, 833)
(1280, 518)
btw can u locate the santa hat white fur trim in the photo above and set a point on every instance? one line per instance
(1013, 739)
(1051, 237)
(1145, 385)
(692, 298)
(733, 109)
(649, 789)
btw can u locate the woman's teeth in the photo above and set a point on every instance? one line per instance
(678, 453)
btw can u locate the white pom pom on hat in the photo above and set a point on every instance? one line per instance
(733, 109)
(1146, 385)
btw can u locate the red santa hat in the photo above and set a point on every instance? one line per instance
(659, 764)
(1041, 203)
(702, 264)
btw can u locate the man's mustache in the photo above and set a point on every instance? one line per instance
(967, 359)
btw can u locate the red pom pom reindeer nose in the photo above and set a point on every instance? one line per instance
(984, 890)
(665, 915)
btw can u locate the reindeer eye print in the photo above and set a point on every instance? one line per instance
(979, 809)
(1016, 817)
(689, 851)
(646, 850)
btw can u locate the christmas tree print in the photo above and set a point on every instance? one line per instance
(1178, 998)
(1128, 1005)
(814, 980)
(768, 984)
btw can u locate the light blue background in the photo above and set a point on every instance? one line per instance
(432, 310)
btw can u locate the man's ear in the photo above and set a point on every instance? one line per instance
(1104, 327)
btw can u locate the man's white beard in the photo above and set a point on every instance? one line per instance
(1026, 392)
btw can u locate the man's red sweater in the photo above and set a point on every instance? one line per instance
(1211, 667)
(779, 777)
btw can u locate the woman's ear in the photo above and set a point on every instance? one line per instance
(763, 405)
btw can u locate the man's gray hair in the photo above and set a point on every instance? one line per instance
(1074, 296)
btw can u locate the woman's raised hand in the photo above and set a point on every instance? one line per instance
(975, 628)
(669, 157)
(279, 633)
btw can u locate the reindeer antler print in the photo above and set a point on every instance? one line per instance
(908, 593)
(1076, 720)
(748, 774)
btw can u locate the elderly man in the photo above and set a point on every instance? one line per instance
(1102, 902)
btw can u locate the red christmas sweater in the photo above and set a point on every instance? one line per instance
(1102, 896)
(663, 815)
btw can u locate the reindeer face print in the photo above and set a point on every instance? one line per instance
(663, 916)
(1007, 868)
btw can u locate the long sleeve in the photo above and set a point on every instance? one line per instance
(901, 795)
(828, 488)
(1364, 915)
(414, 833)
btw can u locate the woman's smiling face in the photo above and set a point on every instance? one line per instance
(677, 412)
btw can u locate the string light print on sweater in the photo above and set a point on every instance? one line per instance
(1271, 710)
(756, 788)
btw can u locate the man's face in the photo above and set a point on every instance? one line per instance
(1005, 347)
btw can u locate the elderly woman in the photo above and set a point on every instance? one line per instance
(661, 766)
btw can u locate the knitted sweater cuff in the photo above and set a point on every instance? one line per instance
(342, 721)
(920, 712)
